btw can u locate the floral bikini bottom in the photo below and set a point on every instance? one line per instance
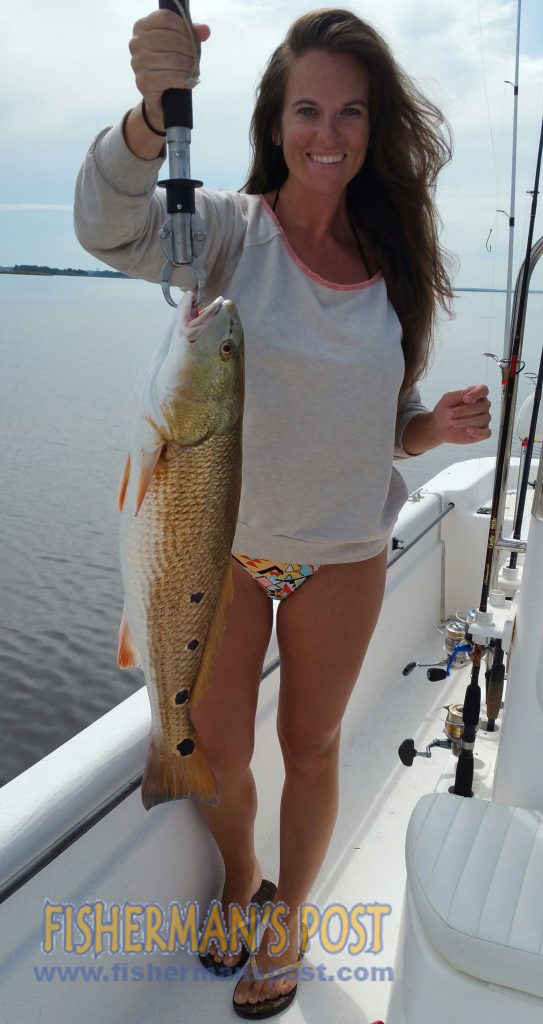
(278, 579)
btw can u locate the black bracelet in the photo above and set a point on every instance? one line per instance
(150, 127)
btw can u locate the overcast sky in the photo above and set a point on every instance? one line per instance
(65, 73)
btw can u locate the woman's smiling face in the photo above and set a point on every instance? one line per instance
(325, 123)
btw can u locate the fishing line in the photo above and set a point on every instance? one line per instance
(491, 249)
(486, 93)
(531, 166)
(505, 82)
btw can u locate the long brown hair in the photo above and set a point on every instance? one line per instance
(391, 197)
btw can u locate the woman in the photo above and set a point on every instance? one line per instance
(332, 257)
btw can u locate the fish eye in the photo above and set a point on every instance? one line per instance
(227, 350)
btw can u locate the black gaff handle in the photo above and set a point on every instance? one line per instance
(176, 103)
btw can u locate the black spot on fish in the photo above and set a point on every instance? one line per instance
(181, 697)
(193, 644)
(197, 597)
(186, 747)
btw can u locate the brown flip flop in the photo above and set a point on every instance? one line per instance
(265, 893)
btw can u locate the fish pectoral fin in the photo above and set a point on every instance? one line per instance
(149, 463)
(214, 636)
(128, 655)
(124, 482)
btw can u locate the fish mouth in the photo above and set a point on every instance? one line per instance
(209, 311)
(195, 325)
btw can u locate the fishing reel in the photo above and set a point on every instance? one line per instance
(453, 729)
(458, 651)
(407, 751)
(459, 647)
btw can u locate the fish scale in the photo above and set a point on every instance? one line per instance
(170, 590)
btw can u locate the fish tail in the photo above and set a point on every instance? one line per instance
(170, 776)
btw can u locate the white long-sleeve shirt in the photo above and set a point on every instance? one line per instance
(323, 362)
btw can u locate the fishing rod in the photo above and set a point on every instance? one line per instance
(517, 327)
(472, 701)
(176, 232)
(528, 450)
(511, 215)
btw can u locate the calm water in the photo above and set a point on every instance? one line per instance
(70, 350)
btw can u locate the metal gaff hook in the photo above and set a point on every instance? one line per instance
(199, 274)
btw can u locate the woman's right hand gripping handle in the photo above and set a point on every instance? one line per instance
(162, 58)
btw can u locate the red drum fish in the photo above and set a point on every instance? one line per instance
(179, 500)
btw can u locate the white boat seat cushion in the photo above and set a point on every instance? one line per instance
(475, 872)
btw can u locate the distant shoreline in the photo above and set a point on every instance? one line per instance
(32, 269)
(28, 269)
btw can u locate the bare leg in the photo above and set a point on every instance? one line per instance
(225, 718)
(234, 834)
(323, 632)
(309, 806)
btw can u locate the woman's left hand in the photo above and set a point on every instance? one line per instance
(462, 417)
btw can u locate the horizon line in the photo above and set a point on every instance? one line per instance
(6, 207)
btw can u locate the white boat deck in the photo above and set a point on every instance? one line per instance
(364, 865)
